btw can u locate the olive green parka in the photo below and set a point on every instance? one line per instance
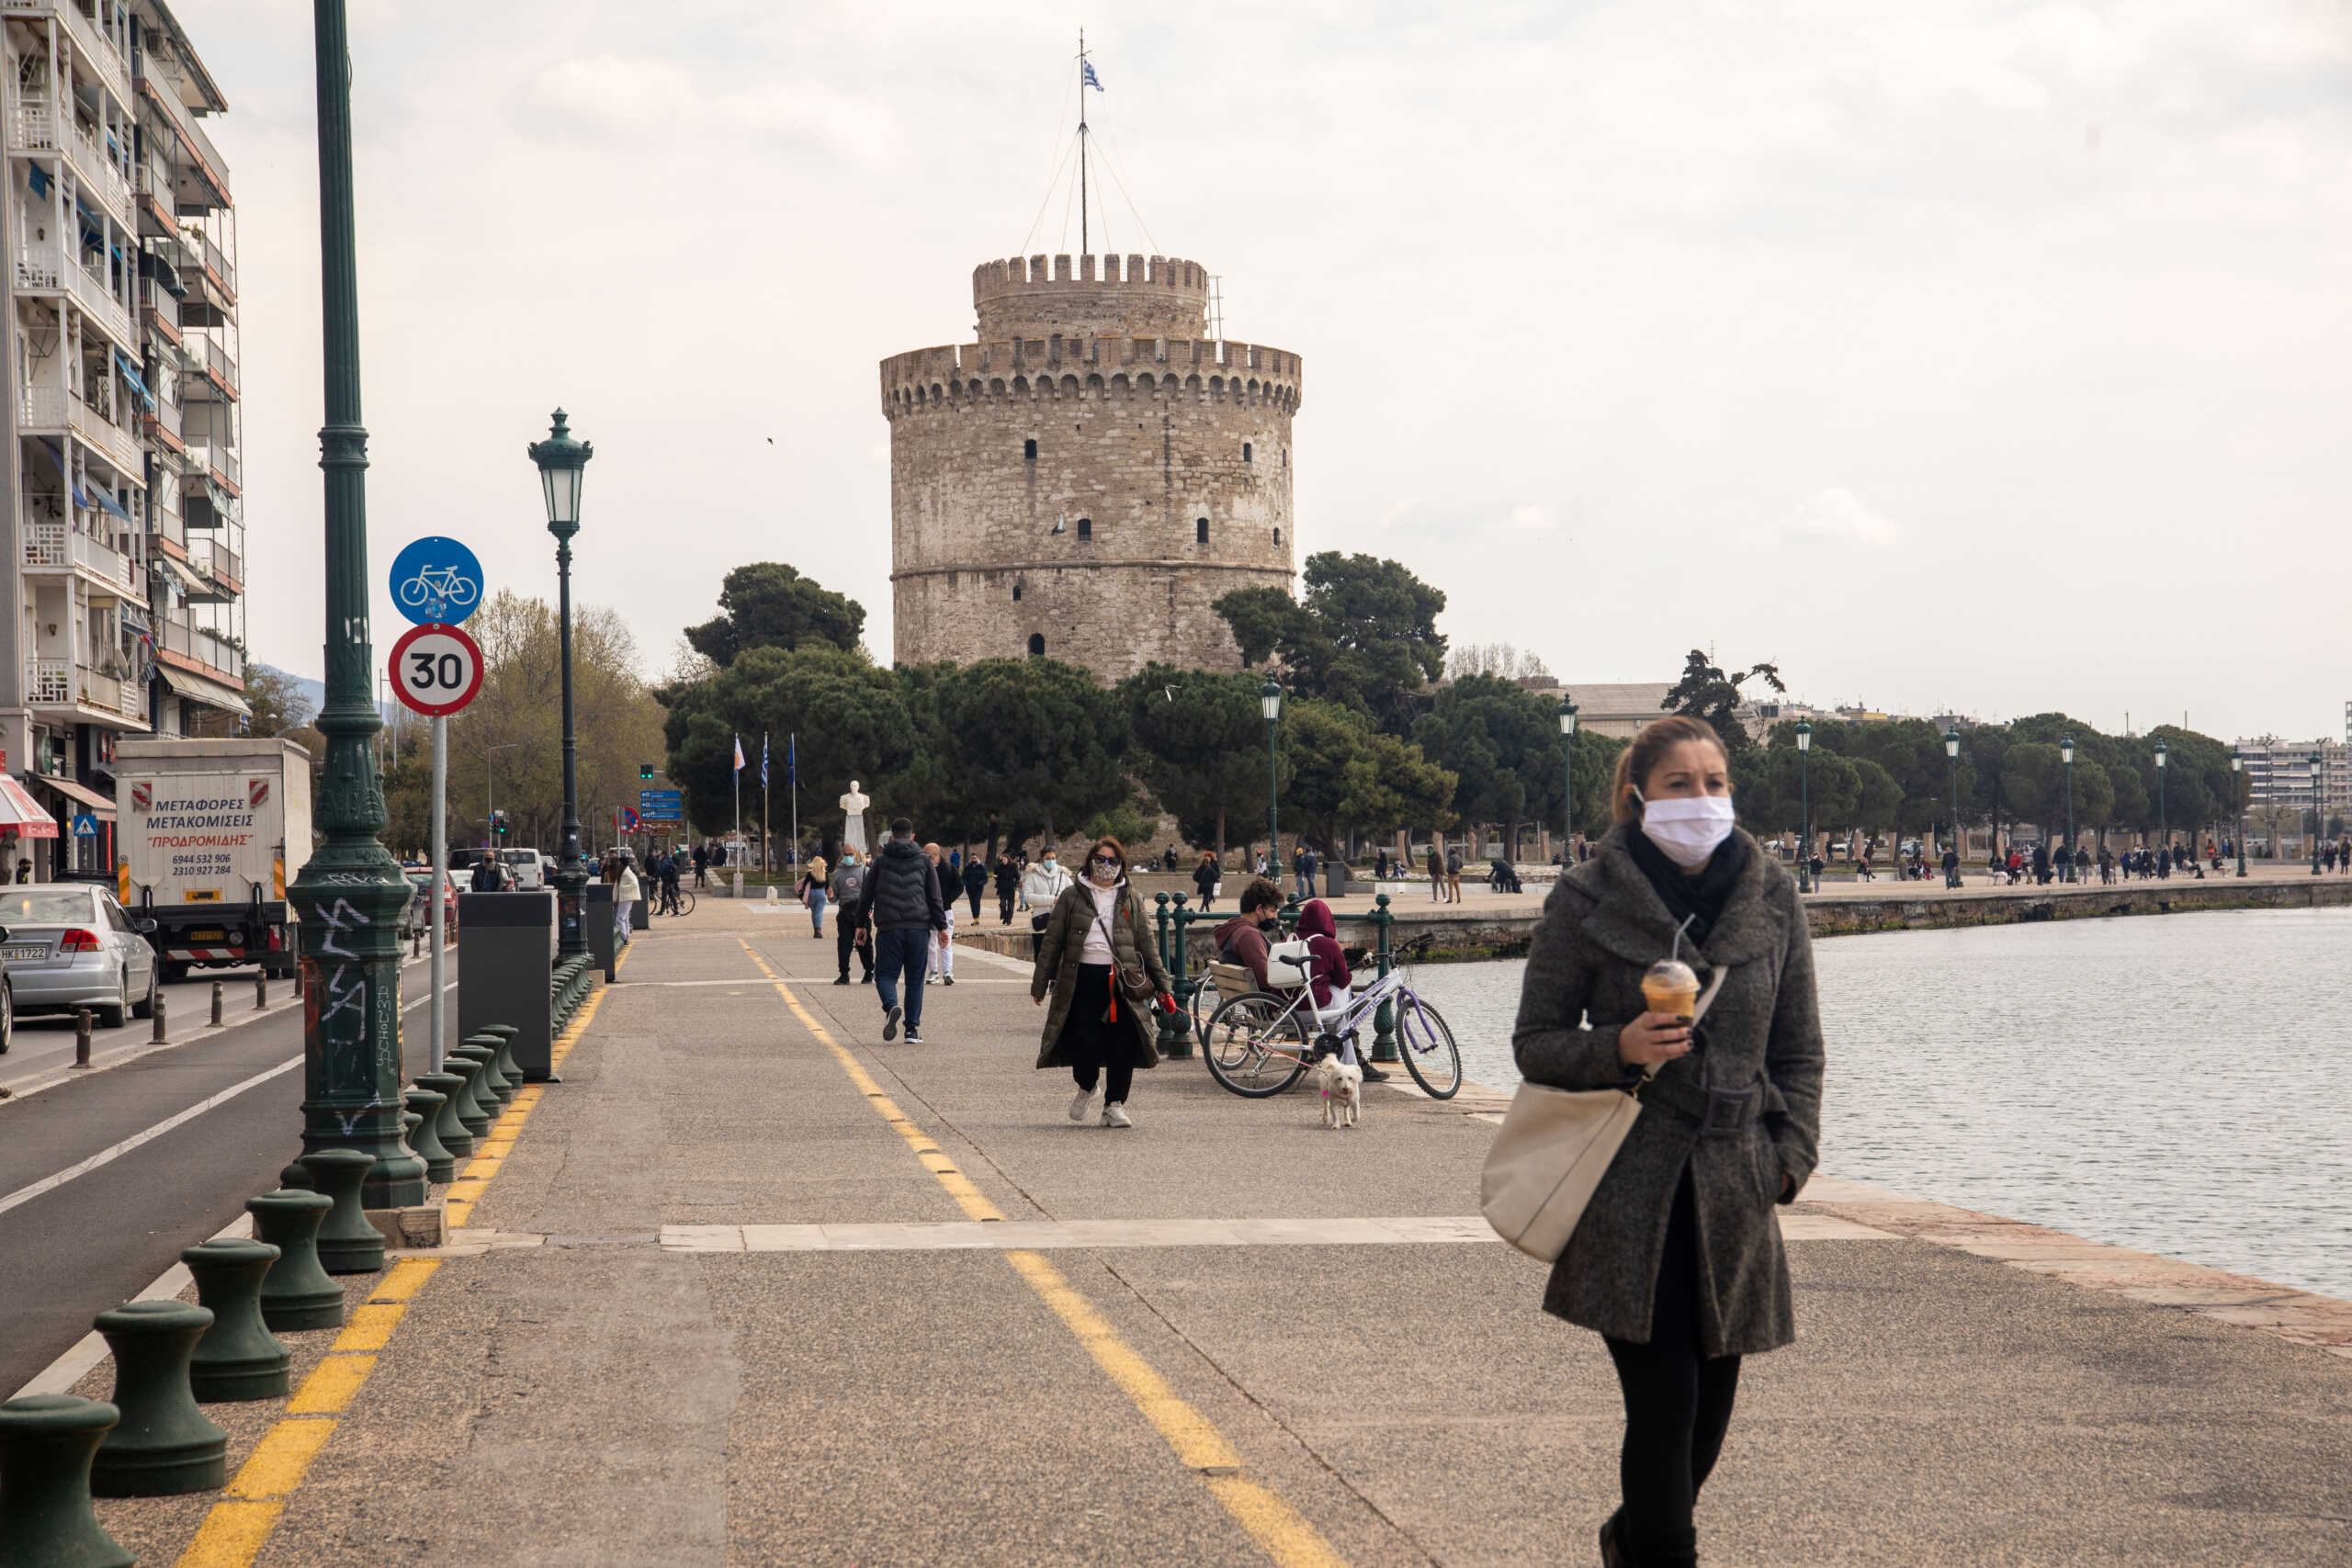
(1057, 960)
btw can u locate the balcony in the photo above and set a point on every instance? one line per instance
(202, 155)
(45, 269)
(54, 547)
(213, 375)
(54, 408)
(207, 652)
(96, 48)
(155, 201)
(219, 270)
(64, 682)
(159, 310)
(220, 461)
(219, 562)
(36, 126)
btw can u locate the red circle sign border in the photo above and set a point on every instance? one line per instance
(435, 710)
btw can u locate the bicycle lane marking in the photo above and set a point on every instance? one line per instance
(1280, 1531)
(238, 1527)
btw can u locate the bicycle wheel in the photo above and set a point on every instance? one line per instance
(685, 902)
(1254, 1045)
(1203, 1005)
(1427, 1046)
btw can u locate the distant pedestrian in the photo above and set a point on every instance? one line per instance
(24, 871)
(2164, 863)
(1951, 867)
(848, 886)
(901, 903)
(1306, 867)
(702, 859)
(625, 897)
(1436, 864)
(1380, 866)
(2041, 865)
(1862, 866)
(1093, 937)
(669, 874)
(812, 893)
(976, 884)
(1207, 877)
(1041, 886)
(1454, 876)
(1676, 1261)
(943, 961)
(1008, 887)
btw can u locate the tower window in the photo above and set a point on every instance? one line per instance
(1086, 527)
(1036, 644)
(1278, 533)
(1029, 449)
(1245, 451)
(1016, 593)
(1286, 456)
(1200, 530)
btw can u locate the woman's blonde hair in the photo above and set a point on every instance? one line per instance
(1638, 761)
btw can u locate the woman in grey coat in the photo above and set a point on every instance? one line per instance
(1677, 1262)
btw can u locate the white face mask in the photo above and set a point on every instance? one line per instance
(1689, 829)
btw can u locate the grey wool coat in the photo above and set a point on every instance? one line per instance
(1602, 926)
(1056, 968)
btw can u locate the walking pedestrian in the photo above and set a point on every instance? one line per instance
(901, 904)
(1453, 875)
(702, 859)
(812, 893)
(1207, 877)
(848, 886)
(669, 873)
(1307, 864)
(976, 884)
(624, 893)
(1436, 865)
(942, 971)
(1042, 885)
(1676, 1261)
(1951, 866)
(2041, 865)
(1092, 938)
(1008, 887)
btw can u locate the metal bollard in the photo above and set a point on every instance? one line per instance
(239, 1357)
(81, 1037)
(164, 1445)
(348, 1242)
(163, 1027)
(47, 1441)
(216, 1004)
(261, 990)
(296, 1295)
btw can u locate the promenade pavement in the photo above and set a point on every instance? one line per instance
(748, 1286)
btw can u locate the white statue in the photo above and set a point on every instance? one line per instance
(853, 806)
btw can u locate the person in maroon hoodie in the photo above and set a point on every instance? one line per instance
(1242, 940)
(1328, 972)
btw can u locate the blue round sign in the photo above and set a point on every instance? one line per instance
(436, 579)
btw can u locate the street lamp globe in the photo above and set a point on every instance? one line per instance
(1951, 742)
(2237, 761)
(1567, 717)
(1270, 699)
(563, 463)
(2066, 751)
(1804, 734)
(2161, 753)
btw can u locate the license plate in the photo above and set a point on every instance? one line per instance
(207, 936)
(23, 953)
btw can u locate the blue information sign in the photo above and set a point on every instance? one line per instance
(668, 804)
(436, 579)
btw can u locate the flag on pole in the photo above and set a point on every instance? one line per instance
(738, 753)
(764, 760)
(792, 758)
(1087, 76)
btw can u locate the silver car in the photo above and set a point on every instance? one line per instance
(71, 945)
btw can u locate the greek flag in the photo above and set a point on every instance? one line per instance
(1086, 76)
(792, 758)
(763, 761)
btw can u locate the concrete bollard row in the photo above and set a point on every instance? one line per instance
(239, 1357)
(455, 1141)
(48, 1443)
(163, 1445)
(466, 1069)
(216, 1004)
(480, 1100)
(296, 1295)
(348, 1241)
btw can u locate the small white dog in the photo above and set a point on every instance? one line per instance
(1341, 1084)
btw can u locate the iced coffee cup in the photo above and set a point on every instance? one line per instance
(1670, 986)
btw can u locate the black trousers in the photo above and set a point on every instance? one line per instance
(1003, 909)
(1677, 1402)
(844, 939)
(1094, 1048)
(975, 895)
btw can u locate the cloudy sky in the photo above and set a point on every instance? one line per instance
(1991, 356)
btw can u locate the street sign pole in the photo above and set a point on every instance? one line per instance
(440, 870)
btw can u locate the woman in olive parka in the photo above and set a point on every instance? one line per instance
(1093, 1028)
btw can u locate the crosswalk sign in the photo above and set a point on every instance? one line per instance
(86, 826)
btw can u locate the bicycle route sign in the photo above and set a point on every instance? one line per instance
(436, 581)
(437, 669)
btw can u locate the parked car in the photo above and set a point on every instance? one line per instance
(71, 945)
(419, 919)
(526, 870)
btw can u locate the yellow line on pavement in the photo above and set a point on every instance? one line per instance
(1280, 1531)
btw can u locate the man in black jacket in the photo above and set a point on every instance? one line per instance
(902, 905)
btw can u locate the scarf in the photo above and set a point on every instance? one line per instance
(1699, 898)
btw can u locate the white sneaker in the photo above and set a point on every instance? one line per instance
(1080, 1103)
(1115, 1115)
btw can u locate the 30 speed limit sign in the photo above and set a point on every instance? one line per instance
(436, 668)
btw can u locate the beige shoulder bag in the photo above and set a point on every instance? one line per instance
(1554, 1146)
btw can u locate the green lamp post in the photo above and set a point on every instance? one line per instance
(350, 893)
(2319, 821)
(1270, 703)
(1804, 799)
(2164, 818)
(1567, 782)
(1951, 756)
(2237, 777)
(2067, 755)
(563, 464)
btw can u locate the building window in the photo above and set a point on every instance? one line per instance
(1086, 527)
(1200, 530)
(1029, 449)
(1036, 644)
(1245, 451)
(1016, 593)
(1286, 456)
(1278, 533)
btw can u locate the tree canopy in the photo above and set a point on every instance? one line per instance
(769, 605)
(1708, 692)
(1364, 635)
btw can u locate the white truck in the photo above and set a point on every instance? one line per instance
(210, 833)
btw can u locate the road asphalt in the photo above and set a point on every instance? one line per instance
(730, 1299)
(96, 1240)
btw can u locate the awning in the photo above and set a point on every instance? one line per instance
(105, 498)
(39, 178)
(203, 691)
(20, 814)
(187, 580)
(130, 374)
(101, 805)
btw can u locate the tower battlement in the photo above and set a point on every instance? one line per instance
(1212, 369)
(1107, 296)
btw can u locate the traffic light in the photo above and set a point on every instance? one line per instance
(645, 772)
(498, 823)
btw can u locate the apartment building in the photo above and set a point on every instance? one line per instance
(127, 532)
(2280, 787)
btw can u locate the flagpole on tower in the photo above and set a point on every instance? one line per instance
(1082, 246)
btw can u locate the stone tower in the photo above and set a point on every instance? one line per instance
(1090, 474)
